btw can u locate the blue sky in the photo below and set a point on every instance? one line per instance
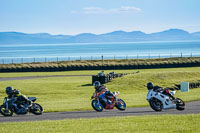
(72, 17)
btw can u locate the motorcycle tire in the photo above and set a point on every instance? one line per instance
(180, 104)
(120, 105)
(97, 106)
(5, 112)
(36, 109)
(156, 104)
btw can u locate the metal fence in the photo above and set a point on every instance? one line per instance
(14, 60)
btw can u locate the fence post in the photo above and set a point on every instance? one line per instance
(102, 59)
(126, 57)
(149, 56)
(34, 60)
(181, 54)
(12, 61)
(22, 60)
(3, 61)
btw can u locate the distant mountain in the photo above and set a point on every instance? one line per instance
(116, 36)
(22, 38)
(196, 33)
(122, 36)
(173, 34)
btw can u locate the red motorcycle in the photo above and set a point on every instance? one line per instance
(112, 101)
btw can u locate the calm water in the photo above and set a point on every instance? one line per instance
(53, 52)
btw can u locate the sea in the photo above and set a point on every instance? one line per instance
(22, 53)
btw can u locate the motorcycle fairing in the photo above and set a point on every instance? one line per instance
(166, 101)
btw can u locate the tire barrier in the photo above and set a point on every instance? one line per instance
(107, 78)
(194, 85)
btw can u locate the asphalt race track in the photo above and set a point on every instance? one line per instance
(191, 108)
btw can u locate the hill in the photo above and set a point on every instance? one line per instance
(116, 36)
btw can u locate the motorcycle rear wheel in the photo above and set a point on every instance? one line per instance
(180, 104)
(156, 104)
(6, 112)
(97, 106)
(120, 105)
(36, 109)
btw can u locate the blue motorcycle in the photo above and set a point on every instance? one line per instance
(11, 106)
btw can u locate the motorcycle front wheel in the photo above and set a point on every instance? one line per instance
(180, 105)
(6, 112)
(97, 106)
(156, 104)
(120, 105)
(36, 109)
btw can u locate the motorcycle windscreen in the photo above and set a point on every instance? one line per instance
(32, 98)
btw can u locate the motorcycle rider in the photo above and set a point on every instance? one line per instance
(100, 74)
(102, 91)
(15, 96)
(159, 89)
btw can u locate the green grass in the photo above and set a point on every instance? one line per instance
(27, 74)
(73, 93)
(132, 124)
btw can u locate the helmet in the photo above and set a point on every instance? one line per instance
(9, 90)
(96, 84)
(150, 86)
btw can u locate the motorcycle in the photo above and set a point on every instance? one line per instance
(99, 104)
(164, 99)
(11, 106)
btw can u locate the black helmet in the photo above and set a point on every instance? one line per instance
(96, 84)
(149, 85)
(9, 90)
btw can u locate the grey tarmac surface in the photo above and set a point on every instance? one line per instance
(191, 108)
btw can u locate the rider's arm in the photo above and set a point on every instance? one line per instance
(94, 94)
(16, 92)
(157, 88)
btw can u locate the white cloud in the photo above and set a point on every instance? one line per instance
(126, 9)
(99, 10)
(93, 10)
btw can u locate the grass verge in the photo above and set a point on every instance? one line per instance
(139, 124)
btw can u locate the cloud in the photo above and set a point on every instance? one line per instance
(93, 10)
(99, 10)
(126, 9)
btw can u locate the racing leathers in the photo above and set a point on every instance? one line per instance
(18, 98)
(103, 93)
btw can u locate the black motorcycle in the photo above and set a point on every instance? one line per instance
(20, 107)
